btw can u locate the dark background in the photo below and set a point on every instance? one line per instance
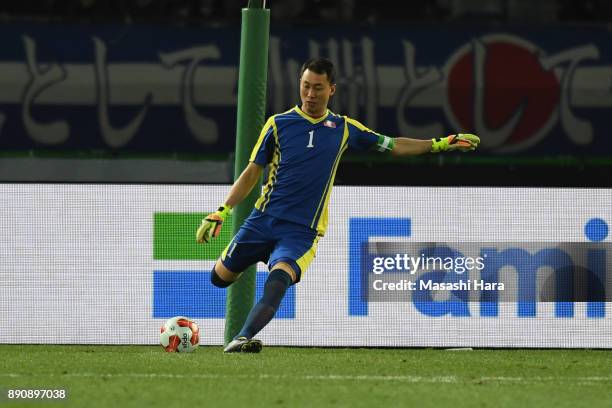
(314, 12)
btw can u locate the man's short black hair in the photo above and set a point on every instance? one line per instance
(320, 66)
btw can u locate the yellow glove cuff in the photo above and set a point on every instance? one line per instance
(439, 145)
(224, 211)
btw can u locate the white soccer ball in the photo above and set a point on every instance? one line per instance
(179, 334)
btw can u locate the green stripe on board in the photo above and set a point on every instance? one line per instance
(174, 237)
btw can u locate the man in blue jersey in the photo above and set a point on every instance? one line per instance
(302, 149)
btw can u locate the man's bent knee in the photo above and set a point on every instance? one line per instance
(287, 268)
(217, 281)
(221, 276)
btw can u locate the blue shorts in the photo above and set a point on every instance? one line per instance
(263, 238)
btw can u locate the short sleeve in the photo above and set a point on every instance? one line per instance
(359, 136)
(262, 151)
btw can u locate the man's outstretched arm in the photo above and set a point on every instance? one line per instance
(403, 146)
(211, 225)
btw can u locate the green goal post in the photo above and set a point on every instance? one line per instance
(252, 85)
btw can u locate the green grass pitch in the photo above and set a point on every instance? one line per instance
(146, 376)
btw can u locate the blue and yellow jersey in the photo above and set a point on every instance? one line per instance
(303, 154)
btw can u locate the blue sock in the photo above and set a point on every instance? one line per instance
(274, 290)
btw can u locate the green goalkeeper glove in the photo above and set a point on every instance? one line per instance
(461, 141)
(211, 225)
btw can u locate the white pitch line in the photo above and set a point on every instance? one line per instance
(337, 377)
(404, 378)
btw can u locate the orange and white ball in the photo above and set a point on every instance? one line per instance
(179, 334)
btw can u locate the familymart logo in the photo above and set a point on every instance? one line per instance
(562, 273)
(182, 269)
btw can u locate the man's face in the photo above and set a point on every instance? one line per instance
(315, 91)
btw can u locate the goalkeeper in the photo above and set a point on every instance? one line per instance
(301, 148)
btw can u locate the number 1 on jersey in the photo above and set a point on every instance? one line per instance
(311, 133)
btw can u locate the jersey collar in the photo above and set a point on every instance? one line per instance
(310, 118)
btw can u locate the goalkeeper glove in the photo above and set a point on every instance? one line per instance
(461, 141)
(211, 225)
